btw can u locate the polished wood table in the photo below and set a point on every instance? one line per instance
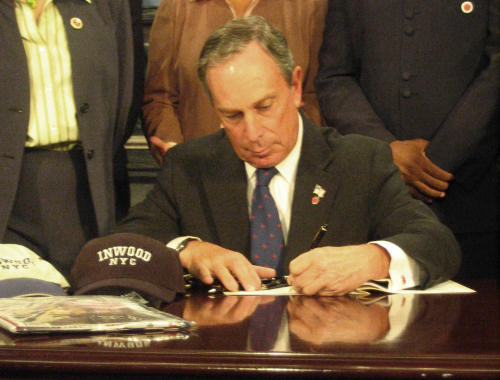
(424, 336)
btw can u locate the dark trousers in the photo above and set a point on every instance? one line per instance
(53, 213)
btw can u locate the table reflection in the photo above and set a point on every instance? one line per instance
(286, 324)
(222, 310)
(317, 321)
(325, 320)
(114, 341)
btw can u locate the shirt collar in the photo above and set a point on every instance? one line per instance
(288, 167)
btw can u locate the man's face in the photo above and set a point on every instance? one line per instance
(257, 107)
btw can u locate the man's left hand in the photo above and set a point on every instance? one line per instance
(338, 270)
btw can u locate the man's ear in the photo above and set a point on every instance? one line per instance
(297, 85)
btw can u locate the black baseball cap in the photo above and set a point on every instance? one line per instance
(125, 262)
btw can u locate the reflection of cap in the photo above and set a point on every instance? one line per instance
(31, 273)
(139, 341)
(125, 262)
(14, 287)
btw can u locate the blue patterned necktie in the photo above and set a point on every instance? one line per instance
(266, 236)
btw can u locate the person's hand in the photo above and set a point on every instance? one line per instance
(322, 320)
(207, 261)
(159, 148)
(336, 271)
(425, 179)
(221, 310)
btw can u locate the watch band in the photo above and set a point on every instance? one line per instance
(183, 244)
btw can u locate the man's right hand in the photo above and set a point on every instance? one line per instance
(207, 261)
(159, 148)
(425, 179)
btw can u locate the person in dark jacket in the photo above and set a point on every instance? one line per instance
(423, 76)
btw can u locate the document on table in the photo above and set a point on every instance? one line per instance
(446, 287)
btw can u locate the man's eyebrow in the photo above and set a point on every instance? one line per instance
(228, 110)
(270, 97)
(254, 104)
(264, 99)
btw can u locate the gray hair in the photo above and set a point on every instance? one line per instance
(234, 36)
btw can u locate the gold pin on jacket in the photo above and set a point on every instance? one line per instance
(76, 23)
(467, 7)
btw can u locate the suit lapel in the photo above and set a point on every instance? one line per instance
(226, 183)
(307, 217)
(79, 65)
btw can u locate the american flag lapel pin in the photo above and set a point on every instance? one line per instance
(318, 193)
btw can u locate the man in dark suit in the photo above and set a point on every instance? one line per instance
(67, 73)
(203, 207)
(423, 75)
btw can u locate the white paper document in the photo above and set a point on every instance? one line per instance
(447, 287)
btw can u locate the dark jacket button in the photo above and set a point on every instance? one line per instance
(406, 93)
(409, 30)
(84, 108)
(409, 13)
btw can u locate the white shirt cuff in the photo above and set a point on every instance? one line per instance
(174, 243)
(404, 271)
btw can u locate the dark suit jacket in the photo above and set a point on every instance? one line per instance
(102, 67)
(421, 69)
(201, 191)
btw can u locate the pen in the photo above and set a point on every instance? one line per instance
(319, 235)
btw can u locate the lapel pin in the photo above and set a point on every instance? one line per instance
(76, 23)
(467, 7)
(318, 193)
